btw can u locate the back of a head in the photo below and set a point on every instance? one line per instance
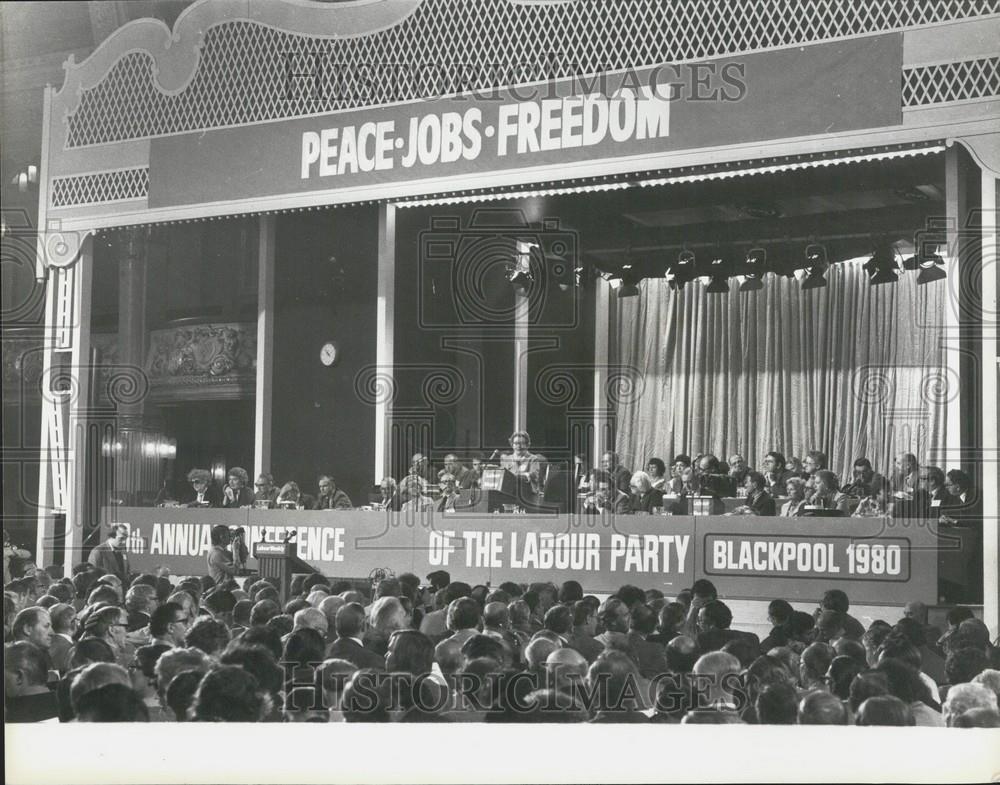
(258, 662)
(26, 658)
(483, 647)
(241, 613)
(964, 697)
(848, 647)
(820, 707)
(172, 662)
(350, 621)
(495, 614)
(630, 595)
(744, 649)
(304, 646)
(261, 636)
(95, 676)
(463, 614)
(977, 718)
(614, 676)
(682, 653)
(410, 651)
(817, 658)
(111, 703)
(570, 592)
(705, 589)
(559, 619)
(209, 635)
(313, 618)
(842, 672)
(387, 615)
(180, 693)
(229, 694)
(835, 600)
(777, 705)
(717, 664)
(538, 651)
(91, 650)
(642, 619)
(867, 684)
(885, 710)
(964, 665)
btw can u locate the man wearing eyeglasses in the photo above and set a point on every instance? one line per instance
(265, 492)
(169, 624)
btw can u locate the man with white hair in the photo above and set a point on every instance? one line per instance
(313, 619)
(964, 697)
(716, 677)
(566, 670)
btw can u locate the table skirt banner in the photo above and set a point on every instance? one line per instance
(875, 561)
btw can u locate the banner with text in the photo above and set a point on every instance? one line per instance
(874, 561)
(800, 91)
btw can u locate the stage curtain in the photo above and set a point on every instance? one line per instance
(851, 369)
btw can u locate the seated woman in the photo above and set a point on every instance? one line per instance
(878, 504)
(657, 472)
(237, 494)
(759, 501)
(826, 493)
(795, 488)
(644, 496)
(290, 497)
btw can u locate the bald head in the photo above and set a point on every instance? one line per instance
(682, 653)
(495, 614)
(822, 708)
(538, 651)
(565, 666)
(313, 619)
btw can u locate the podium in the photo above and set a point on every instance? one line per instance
(279, 560)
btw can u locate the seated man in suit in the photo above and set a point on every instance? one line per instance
(203, 492)
(711, 479)
(863, 479)
(449, 493)
(814, 461)
(738, 471)
(691, 486)
(964, 505)
(620, 476)
(932, 494)
(714, 619)
(265, 489)
(389, 495)
(759, 501)
(454, 467)
(110, 555)
(330, 496)
(605, 498)
(236, 493)
(775, 473)
(350, 624)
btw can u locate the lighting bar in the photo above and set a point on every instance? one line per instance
(499, 196)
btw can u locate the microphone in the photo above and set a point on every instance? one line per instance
(495, 455)
(290, 535)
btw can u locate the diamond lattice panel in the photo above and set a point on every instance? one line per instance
(447, 46)
(101, 187)
(938, 84)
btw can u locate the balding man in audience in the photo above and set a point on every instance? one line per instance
(312, 619)
(715, 679)
(822, 708)
(566, 670)
(813, 665)
(536, 653)
(350, 624)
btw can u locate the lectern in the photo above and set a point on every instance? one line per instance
(279, 560)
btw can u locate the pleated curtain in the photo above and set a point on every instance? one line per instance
(852, 370)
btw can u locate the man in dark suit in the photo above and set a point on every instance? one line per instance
(759, 501)
(714, 619)
(620, 476)
(581, 638)
(652, 657)
(330, 496)
(932, 494)
(236, 493)
(350, 624)
(110, 555)
(463, 477)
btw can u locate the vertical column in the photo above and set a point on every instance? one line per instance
(385, 322)
(956, 211)
(77, 502)
(130, 478)
(521, 318)
(991, 438)
(602, 359)
(265, 345)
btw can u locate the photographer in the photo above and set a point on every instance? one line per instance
(220, 561)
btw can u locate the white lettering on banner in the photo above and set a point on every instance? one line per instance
(180, 539)
(648, 552)
(440, 548)
(543, 550)
(774, 556)
(522, 128)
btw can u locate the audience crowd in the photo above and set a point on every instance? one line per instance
(92, 648)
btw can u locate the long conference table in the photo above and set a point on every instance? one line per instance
(878, 561)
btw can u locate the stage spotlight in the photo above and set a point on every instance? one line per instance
(816, 267)
(928, 261)
(681, 271)
(717, 276)
(754, 270)
(882, 267)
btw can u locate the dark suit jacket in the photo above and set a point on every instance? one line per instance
(763, 504)
(103, 556)
(646, 502)
(352, 651)
(589, 647)
(652, 656)
(244, 498)
(336, 501)
(212, 494)
(714, 640)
